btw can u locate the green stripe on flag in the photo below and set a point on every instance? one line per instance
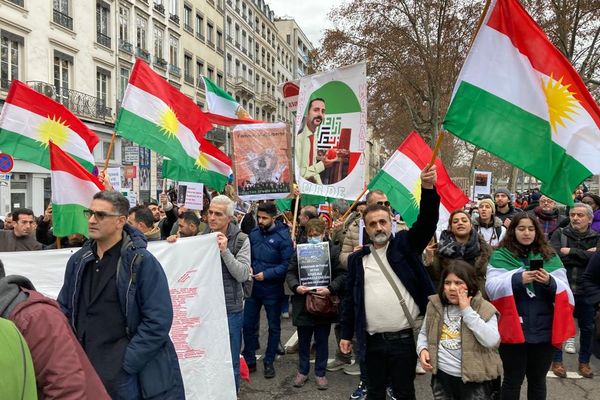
(68, 219)
(133, 127)
(516, 136)
(214, 180)
(34, 151)
(401, 199)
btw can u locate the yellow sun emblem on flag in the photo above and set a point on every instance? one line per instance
(53, 129)
(416, 193)
(169, 124)
(562, 103)
(201, 162)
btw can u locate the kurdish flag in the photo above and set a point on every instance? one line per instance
(519, 98)
(72, 190)
(400, 180)
(29, 121)
(214, 167)
(223, 109)
(499, 287)
(160, 117)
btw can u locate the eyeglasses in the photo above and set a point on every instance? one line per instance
(99, 215)
(384, 203)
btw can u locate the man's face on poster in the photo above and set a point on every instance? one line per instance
(315, 116)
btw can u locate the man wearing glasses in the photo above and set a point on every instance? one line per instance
(116, 297)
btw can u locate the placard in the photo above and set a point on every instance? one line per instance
(191, 195)
(114, 176)
(314, 264)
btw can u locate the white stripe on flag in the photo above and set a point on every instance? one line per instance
(69, 189)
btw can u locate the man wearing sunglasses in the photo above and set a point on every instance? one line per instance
(116, 297)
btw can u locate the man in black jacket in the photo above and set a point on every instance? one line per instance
(590, 283)
(372, 309)
(576, 244)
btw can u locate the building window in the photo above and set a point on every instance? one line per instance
(158, 43)
(102, 86)
(173, 50)
(140, 33)
(199, 72)
(210, 73)
(229, 63)
(188, 75)
(123, 81)
(220, 79)
(219, 40)
(9, 61)
(60, 13)
(102, 24)
(62, 68)
(124, 24)
(105, 147)
(199, 26)
(187, 18)
(210, 33)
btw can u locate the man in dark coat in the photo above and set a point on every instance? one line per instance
(372, 308)
(590, 283)
(116, 297)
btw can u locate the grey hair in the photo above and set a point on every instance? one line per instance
(372, 192)
(118, 201)
(226, 201)
(588, 209)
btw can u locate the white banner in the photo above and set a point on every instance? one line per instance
(199, 329)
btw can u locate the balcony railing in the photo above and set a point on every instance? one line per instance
(125, 46)
(174, 18)
(18, 2)
(103, 39)
(244, 85)
(220, 49)
(188, 79)
(188, 28)
(159, 7)
(143, 54)
(160, 62)
(79, 103)
(62, 19)
(200, 37)
(210, 43)
(229, 39)
(174, 70)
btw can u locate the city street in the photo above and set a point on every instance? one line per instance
(341, 385)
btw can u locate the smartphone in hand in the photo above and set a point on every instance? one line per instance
(534, 265)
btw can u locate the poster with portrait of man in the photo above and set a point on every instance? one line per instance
(329, 141)
(261, 161)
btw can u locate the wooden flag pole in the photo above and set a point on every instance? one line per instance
(295, 218)
(436, 149)
(110, 147)
(58, 243)
(486, 8)
(349, 210)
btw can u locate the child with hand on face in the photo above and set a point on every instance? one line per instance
(459, 339)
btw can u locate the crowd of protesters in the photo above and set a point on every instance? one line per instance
(404, 301)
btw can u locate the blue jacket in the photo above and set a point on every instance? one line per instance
(404, 255)
(271, 252)
(143, 294)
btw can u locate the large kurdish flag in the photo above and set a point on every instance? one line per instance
(222, 107)
(502, 266)
(156, 115)
(518, 97)
(400, 180)
(72, 191)
(30, 120)
(214, 167)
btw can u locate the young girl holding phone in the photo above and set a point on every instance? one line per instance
(459, 338)
(528, 284)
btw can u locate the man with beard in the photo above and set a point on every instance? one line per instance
(142, 219)
(271, 250)
(547, 215)
(21, 237)
(377, 276)
(306, 144)
(504, 207)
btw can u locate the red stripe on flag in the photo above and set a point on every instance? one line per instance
(415, 148)
(187, 112)
(23, 96)
(210, 149)
(510, 18)
(563, 324)
(61, 161)
(226, 121)
(509, 323)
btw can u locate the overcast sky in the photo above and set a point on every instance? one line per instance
(311, 15)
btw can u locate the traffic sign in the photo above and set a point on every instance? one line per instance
(6, 163)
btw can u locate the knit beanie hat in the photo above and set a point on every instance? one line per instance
(489, 202)
(535, 196)
(505, 191)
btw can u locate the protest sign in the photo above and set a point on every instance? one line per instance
(261, 161)
(314, 265)
(329, 162)
(199, 329)
(191, 195)
(483, 183)
(114, 176)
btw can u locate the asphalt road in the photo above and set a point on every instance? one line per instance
(342, 385)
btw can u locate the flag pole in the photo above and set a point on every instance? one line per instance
(486, 8)
(436, 149)
(110, 147)
(295, 217)
(58, 243)
(349, 210)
